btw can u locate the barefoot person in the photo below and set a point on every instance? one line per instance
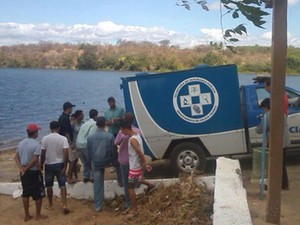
(27, 160)
(137, 162)
(55, 156)
(122, 141)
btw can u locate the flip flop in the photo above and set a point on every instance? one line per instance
(41, 217)
(149, 190)
(28, 218)
(131, 215)
(48, 207)
(71, 181)
(126, 211)
(66, 211)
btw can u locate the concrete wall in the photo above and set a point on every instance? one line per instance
(230, 206)
(82, 190)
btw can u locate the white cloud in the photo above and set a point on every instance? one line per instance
(108, 32)
(105, 32)
(213, 34)
(264, 39)
(293, 2)
(214, 5)
(267, 36)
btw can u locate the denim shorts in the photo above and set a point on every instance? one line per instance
(54, 170)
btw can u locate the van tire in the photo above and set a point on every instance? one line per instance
(187, 157)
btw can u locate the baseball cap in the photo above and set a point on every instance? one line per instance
(32, 127)
(68, 105)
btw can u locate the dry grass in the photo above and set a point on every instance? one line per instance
(183, 203)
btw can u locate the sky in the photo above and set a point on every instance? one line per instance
(109, 21)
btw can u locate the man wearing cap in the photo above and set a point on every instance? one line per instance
(27, 160)
(67, 131)
(101, 150)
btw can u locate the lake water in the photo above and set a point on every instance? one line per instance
(37, 96)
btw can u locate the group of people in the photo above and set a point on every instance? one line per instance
(102, 141)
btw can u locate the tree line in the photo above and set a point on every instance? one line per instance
(144, 56)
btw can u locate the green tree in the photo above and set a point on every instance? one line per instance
(87, 61)
(293, 63)
(213, 58)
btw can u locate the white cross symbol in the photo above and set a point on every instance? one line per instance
(195, 91)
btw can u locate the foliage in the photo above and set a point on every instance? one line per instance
(249, 9)
(293, 63)
(213, 58)
(87, 61)
(145, 56)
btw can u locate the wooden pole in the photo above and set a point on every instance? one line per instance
(279, 51)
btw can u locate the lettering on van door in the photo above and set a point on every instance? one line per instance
(195, 100)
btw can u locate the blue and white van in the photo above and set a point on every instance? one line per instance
(194, 114)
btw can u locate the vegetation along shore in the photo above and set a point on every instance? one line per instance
(144, 56)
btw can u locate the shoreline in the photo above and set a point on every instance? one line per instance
(7, 149)
(11, 149)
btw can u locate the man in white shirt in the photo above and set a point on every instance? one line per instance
(85, 130)
(55, 156)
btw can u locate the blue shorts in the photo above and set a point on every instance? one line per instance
(54, 170)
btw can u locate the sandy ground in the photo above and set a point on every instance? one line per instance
(82, 210)
(290, 200)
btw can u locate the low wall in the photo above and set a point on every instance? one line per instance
(82, 190)
(230, 203)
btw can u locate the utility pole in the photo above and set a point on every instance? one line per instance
(278, 71)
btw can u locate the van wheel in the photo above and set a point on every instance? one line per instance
(187, 157)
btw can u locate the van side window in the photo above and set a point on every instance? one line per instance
(261, 94)
(293, 97)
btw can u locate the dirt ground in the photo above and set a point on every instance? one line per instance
(82, 210)
(290, 200)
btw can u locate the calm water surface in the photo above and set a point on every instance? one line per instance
(37, 96)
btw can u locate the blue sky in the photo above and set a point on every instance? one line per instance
(96, 21)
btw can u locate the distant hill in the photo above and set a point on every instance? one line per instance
(145, 56)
